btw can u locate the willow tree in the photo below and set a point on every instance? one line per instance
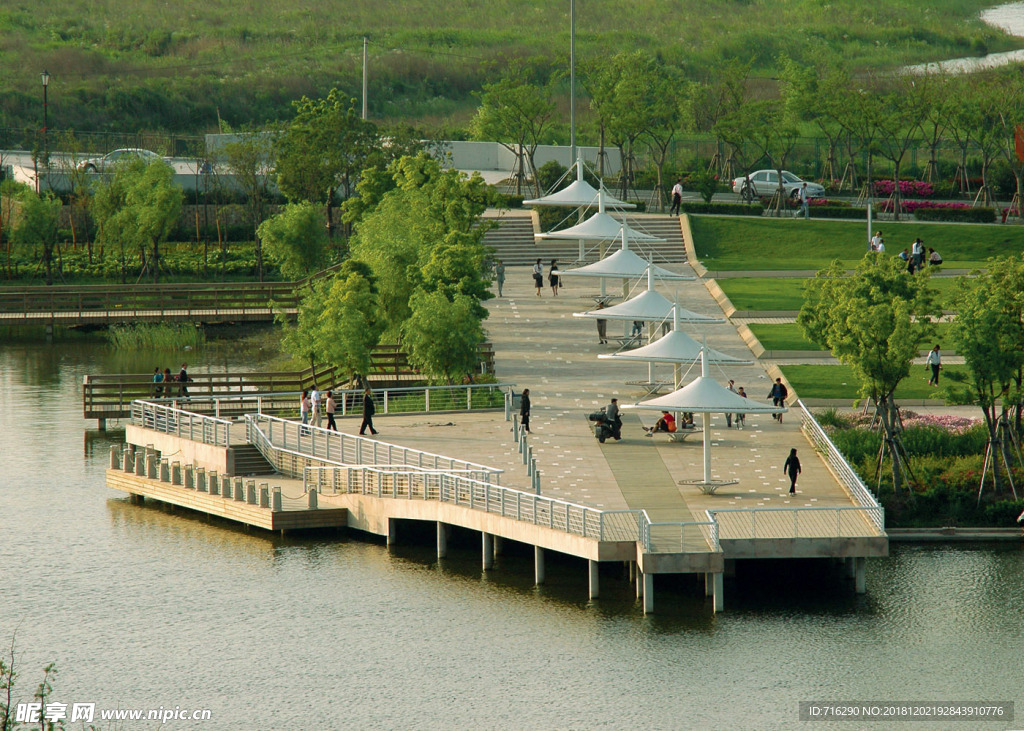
(872, 321)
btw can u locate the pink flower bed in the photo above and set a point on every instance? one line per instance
(910, 206)
(947, 422)
(911, 188)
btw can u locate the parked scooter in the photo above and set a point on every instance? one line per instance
(603, 427)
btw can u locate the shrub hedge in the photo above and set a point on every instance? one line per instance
(960, 215)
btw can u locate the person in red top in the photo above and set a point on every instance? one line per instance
(667, 423)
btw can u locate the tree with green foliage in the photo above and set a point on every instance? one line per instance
(322, 151)
(989, 334)
(867, 321)
(858, 108)
(250, 160)
(296, 239)
(810, 92)
(443, 336)
(716, 98)
(37, 225)
(670, 112)
(139, 206)
(515, 111)
(11, 192)
(429, 210)
(903, 109)
(1011, 117)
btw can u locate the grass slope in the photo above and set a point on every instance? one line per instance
(787, 336)
(149, 64)
(759, 293)
(838, 382)
(726, 243)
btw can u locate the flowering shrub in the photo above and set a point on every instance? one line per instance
(910, 188)
(910, 206)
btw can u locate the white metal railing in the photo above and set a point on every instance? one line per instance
(695, 536)
(169, 419)
(347, 449)
(841, 468)
(816, 522)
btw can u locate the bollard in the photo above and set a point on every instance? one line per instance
(201, 484)
(515, 429)
(312, 495)
(115, 457)
(127, 464)
(536, 481)
(239, 486)
(250, 489)
(264, 495)
(527, 455)
(189, 478)
(277, 500)
(175, 473)
(165, 470)
(151, 466)
(225, 486)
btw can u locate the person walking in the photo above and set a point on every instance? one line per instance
(538, 276)
(614, 420)
(728, 415)
(778, 395)
(741, 418)
(792, 468)
(314, 406)
(677, 197)
(304, 407)
(369, 409)
(935, 361)
(330, 407)
(524, 410)
(183, 379)
(805, 203)
(499, 275)
(602, 326)
(158, 381)
(553, 277)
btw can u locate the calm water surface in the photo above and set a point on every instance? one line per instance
(143, 608)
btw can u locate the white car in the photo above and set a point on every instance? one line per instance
(766, 182)
(108, 161)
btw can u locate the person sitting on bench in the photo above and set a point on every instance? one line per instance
(667, 423)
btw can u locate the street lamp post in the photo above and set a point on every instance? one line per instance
(45, 77)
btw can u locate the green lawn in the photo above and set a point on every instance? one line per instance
(760, 293)
(787, 336)
(736, 244)
(838, 382)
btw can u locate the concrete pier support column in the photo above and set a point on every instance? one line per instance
(538, 565)
(860, 578)
(487, 545)
(849, 566)
(709, 584)
(719, 591)
(442, 540)
(498, 546)
(639, 583)
(632, 570)
(392, 531)
(592, 579)
(648, 593)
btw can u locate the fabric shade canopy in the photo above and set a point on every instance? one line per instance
(646, 306)
(578, 193)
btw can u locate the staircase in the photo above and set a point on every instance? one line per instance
(248, 461)
(513, 241)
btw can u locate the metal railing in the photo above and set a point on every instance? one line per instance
(688, 537)
(840, 467)
(346, 449)
(170, 419)
(818, 522)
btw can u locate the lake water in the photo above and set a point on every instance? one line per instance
(1008, 17)
(142, 608)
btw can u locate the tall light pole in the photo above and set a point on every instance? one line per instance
(365, 77)
(572, 82)
(45, 77)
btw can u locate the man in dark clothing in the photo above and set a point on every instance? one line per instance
(614, 420)
(792, 468)
(524, 409)
(778, 395)
(369, 409)
(183, 379)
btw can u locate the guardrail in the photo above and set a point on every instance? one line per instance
(693, 536)
(840, 467)
(170, 419)
(347, 449)
(823, 522)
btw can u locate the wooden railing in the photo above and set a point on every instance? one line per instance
(109, 396)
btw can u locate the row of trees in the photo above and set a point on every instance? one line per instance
(416, 273)
(871, 320)
(640, 104)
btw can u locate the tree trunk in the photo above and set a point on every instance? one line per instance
(882, 406)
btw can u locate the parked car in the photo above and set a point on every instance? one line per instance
(108, 161)
(766, 182)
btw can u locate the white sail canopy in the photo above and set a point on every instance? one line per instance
(599, 226)
(675, 347)
(646, 306)
(578, 193)
(705, 395)
(625, 264)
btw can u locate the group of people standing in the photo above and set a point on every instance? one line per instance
(312, 406)
(554, 280)
(162, 381)
(916, 256)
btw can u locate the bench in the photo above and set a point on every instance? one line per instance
(680, 435)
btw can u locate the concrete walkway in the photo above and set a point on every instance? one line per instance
(539, 345)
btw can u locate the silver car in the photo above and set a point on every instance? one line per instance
(766, 182)
(108, 161)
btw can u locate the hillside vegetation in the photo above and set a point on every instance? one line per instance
(153, 65)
